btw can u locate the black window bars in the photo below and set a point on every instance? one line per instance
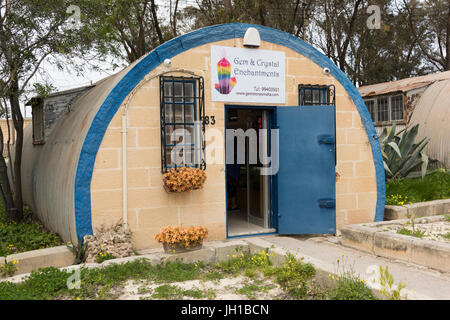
(182, 134)
(311, 95)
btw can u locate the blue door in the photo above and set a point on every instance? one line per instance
(306, 174)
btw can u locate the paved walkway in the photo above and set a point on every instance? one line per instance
(421, 282)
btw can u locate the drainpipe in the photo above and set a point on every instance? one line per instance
(124, 169)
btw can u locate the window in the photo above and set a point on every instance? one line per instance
(37, 114)
(311, 95)
(385, 108)
(397, 108)
(182, 134)
(370, 104)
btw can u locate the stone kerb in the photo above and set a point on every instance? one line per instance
(419, 209)
(371, 237)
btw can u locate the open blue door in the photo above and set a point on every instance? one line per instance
(306, 174)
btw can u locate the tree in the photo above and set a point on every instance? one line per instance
(288, 16)
(30, 32)
(429, 23)
(129, 29)
(367, 55)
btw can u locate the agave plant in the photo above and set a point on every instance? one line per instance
(400, 154)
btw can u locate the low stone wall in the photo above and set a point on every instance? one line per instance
(370, 237)
(59, 256)
(419, 209)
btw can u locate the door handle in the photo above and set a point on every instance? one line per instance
(327, 203)
(326, 139)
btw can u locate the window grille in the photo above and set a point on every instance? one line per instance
(397, 108)
(370, 104)
(311, 95)
(182, 134)
(383, 109)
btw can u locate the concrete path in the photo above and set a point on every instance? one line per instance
(421, 282)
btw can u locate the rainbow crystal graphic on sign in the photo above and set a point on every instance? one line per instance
(226, 84)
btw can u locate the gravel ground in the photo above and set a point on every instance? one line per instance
(223, 289)
(438, 231)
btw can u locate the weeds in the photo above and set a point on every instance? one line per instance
(8, 268)
(294, 277)
(388, 289)
(103, 256)
(79, 251)
(407, 232)
(23, 236)
(348, 286)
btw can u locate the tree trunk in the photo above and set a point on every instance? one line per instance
(5, 185)
(16, 115)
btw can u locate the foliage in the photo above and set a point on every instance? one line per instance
(128, 29)
(294, 276)
(433, 186)
(173, 292)
(183, 237)
(79, 250)
(8, 268)
(23, 236)
(31, 32)
(350, 287)
(102, 256)
(347, 285)
(413, 233)
(388, 289)
(184, 179)
(428, 24)
(244, 261)
(397, 200)
(400, 154)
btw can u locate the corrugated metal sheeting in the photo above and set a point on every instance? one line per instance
(432, 113)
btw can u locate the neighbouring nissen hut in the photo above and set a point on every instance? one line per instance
(286, 141)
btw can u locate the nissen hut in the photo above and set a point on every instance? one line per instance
(284, 138)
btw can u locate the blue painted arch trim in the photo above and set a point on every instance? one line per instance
(96, 132)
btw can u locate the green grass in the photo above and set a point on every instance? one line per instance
(24, 236)
(433, 186)
(294, 277)
(407, 232)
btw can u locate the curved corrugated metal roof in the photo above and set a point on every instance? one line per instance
(403, 84)
(432, 113)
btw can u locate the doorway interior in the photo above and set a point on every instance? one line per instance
(248, 191)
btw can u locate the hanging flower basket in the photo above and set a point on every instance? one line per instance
(176, 239)
(184, 179)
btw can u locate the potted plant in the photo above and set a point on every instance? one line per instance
(179, 239)
(184, 179)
